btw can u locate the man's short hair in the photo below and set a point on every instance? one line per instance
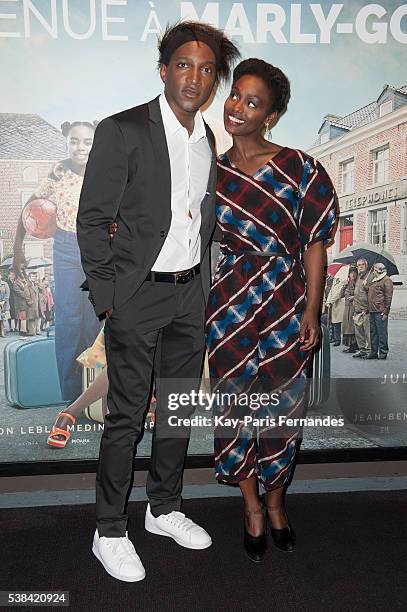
(226, 54)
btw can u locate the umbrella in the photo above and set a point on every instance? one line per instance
(373, 254)
(6, 263)
(333, 268)
(32, 264)
(38, 262)
(343, 273)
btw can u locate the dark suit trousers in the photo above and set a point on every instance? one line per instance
(161, 330)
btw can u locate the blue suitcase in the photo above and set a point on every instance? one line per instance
(30, 373)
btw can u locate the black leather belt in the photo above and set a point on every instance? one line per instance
(174, 277)
(261, 253)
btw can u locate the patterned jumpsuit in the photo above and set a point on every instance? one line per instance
(255, 308)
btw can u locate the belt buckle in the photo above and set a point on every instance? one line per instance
(183, 277)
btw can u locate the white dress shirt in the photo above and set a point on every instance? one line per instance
(190, 160)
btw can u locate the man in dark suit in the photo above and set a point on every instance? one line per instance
(152, 171)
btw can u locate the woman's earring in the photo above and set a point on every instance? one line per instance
(267, 133)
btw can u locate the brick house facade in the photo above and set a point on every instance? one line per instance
(365, 154)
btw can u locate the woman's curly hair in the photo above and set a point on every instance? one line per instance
(273, 77)
(228, 51)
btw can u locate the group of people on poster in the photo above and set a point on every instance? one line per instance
(358, 310)
(26, 303)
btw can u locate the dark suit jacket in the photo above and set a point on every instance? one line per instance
(128, 180)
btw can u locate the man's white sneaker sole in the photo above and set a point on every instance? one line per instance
(157, 531)
(112, 573)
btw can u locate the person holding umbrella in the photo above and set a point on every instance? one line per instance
(13, 320)
(336, 301)
(31, 296)
(361, 311)
(22, 298)
(348, 326)
(4, 306)
(380, 294)
(366, 256)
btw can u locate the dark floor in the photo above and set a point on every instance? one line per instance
(351, 556)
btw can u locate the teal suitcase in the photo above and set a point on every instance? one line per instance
(31, 374)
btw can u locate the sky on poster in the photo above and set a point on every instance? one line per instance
(66, 79)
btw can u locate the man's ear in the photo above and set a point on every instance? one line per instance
(163, 72)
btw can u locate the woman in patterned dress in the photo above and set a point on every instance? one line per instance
(276, 210)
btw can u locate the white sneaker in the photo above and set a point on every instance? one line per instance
(175, 525)
(119, 558)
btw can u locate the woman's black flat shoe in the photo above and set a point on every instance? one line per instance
(255, 546)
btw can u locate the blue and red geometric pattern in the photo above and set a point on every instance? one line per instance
(256, 303)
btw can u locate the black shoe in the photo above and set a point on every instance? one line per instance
(349, 350)
(382, 356)
(284, 539)
(255, 546)
(371, 356)
(337, 343)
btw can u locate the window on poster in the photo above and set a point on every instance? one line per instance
(345, 232)
(30, 175)
(25, 196)
(347, 172)
(381, 166)
(378, 221)
(385, 108)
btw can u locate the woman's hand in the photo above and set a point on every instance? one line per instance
(112, 229)
(309, 331)
(314, 262)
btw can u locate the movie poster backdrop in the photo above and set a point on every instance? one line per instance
(66, 64)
